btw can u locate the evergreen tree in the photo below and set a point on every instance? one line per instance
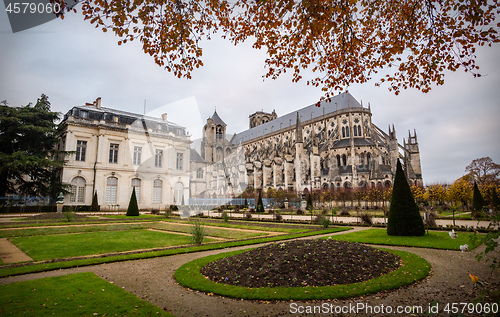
(260, 204)
(29, 159)
(495, 201)
(309, 205)
(95, 203)
(246, 203)
(477, 199)
(133, 209)
(404, 218)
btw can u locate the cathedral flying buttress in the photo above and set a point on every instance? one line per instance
(333, 146)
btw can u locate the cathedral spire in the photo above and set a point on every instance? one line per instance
(298, 128)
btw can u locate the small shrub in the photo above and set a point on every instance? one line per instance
(430, 220)
(248, 215)
(344, 213)
(236, 209)
(174, 208)
(366, 219)
(322, 221)
(300, 212)
(225, 216)
(278, 216)
(324, 212)
(155, 211)
(168, 212)
(69, 215)
(197, 232)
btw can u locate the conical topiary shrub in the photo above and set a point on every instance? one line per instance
(95, 203)
(133, 209)
(404, 218)
(477, 199)
(260, 204)
(309, 205)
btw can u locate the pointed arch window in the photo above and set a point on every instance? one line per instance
(343, 132)
(344, 160)
(359, 130)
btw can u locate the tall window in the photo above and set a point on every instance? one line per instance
(157, 190)
(113, 153)
(343, 132)
(111, 189)
(77, 190)
(136, 183)
(344, 160)
(199, 173)
(137, 155)
(158, 158)
(359, 130)
(179, 161)
(355, 131)
(81, 150)
(178, 193)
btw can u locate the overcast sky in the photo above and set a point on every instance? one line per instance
(73, 63)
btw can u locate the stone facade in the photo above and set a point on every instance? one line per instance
(330, 145)
(115, 151)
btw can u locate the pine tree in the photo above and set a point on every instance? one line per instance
(260, 204)
(133, 209)
(95, 203)
(404, 218)
(29, 159)
(477, 199)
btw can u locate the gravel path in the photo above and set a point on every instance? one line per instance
(152, 280)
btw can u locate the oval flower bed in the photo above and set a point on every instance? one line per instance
(303, 270)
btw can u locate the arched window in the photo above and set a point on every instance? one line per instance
(157, 190)
(178, 193)
(347, 132)
(343, 132)
(344, 160)
(355, 131)
(111, 188)
(338, 160)
(359, 130)
(199, 173)
(136, 183)
(362, 158)
(383, 160)
(368, 159)
(77, 190)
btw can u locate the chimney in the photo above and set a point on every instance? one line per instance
(98, 103)
(164, 117)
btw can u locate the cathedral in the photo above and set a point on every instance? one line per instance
(330, 145)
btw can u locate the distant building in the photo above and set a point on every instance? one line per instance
(333, 146)
(115, 151)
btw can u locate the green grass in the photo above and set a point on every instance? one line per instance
(140, 217)
(49, 247)
(71, 229)
(249, 225)
(82, 294)
(42, 267)
(414, 268)
(433, 240)
(213, 232)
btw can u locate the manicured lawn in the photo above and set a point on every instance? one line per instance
(214, 232)
(434, 240)
(414, 268)
(33, 231)
(82, 294)
(79, 244)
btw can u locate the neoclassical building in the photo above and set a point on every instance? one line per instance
(115, 151)
(330, 145)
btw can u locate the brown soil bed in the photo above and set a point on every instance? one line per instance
(302, 263)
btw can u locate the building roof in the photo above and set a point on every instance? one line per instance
(196, 157)
(217, 119)
(339, 102)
